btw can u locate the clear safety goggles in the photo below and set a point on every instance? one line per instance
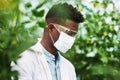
(65, 30)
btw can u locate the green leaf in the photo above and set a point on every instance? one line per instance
(42, 24)
(40, 5)
(38, 13)
(28, 5)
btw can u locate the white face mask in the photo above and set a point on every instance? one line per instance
(64, 42)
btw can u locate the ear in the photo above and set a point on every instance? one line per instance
(51, 27)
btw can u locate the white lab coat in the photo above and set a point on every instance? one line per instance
(33, 66)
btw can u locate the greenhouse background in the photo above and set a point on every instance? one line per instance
(95, 54)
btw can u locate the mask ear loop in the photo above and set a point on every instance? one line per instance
(53, 40)
(51, 37)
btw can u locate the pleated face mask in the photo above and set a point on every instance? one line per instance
(64, 42)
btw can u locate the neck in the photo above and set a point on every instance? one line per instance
(48, 45)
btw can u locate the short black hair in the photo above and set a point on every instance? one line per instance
(64, 11)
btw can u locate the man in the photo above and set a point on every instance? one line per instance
(43, 61)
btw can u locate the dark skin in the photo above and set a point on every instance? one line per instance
(47, 42)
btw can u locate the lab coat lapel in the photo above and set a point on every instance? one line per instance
(45, 67)
(64, 73)
(42, 61)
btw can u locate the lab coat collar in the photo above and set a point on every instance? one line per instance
(37, 48)
(41, 57)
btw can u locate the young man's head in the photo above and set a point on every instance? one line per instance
(62, 21)
(63, 12)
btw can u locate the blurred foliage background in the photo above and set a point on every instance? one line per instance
(95, 54)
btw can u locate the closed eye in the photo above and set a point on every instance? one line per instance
(71, 33)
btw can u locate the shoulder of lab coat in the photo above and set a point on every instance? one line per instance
(27, 64)
(22, 67)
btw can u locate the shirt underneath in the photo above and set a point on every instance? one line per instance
(54, 64)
